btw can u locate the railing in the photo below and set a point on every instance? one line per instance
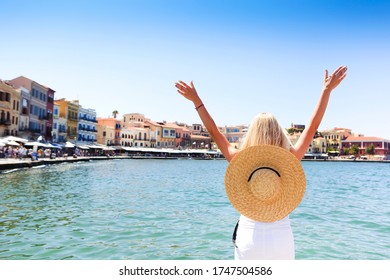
(88, 119)
(87, 129)
(5, 122)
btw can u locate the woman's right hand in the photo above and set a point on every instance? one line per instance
(188, 91)
(332, 81)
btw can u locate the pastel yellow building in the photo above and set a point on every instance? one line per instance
(333, 137)
(69, 110)
(9, 110)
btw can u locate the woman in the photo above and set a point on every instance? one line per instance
(259, 240)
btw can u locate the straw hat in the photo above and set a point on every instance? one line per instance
(265, 183)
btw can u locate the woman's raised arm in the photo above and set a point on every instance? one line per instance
(189, 92)
(330, 83)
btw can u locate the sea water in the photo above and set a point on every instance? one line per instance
(178, 209)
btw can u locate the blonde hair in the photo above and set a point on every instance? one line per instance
(265, 130)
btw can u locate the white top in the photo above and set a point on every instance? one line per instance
(251, 224)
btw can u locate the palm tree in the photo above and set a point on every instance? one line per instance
(114, 113)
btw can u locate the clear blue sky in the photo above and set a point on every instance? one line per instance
(245, 57)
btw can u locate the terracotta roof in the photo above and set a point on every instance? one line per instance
(153, 123)
(363, 138)
(199, 137)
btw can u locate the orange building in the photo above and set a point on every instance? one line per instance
(109, 131)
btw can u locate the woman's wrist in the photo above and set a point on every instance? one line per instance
(197, 102)
(199, 106)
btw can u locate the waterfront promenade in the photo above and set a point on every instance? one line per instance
(11, 163)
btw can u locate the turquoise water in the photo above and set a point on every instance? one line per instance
(177, 209)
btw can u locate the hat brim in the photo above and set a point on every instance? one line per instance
(292, 176)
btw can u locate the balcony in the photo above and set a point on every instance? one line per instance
(87, 129)
(88, 119)
(5, 122)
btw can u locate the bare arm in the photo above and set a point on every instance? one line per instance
(189, 92)
(330, 83)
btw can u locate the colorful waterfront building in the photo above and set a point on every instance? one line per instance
(168, 135)
(317, 146)
(108, 131)
(235, 134)
(133, 118)
(105, 134)
(86, 127)
(334, 137)
(162, 135)
(380, 146)
(9, 109)
(69, 111)
(59, 125)
(49, 113)
(40, 106)
(24, 116)
(183, 135)
(135, 136)
(200, 142)
(200, 138)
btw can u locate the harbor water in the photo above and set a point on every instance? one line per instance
(178, 209)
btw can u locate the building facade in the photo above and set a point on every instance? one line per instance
(317, 146)
(138, 137)
(105, 134)
(40, 106)
(334, 137)
(133, 118)
(381, 147)
(49, 113)
(109, 131)
(9, 109)
(86, 130)
(69, 111)
(59, 125)
(155, 133)
(24, 118)
(235, 134)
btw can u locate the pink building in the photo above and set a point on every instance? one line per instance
(381, 146)
(183, 135)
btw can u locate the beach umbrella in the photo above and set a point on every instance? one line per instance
(83, 147)
(56, 146)
(38, 144)
(12, 143)
(69, 145)
(51, 146)
(16, 139)
(95, 147)
(2, 144)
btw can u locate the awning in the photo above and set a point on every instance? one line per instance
(16, 139)
(69, 145)
(12, 143)
(95, 147)
(83, 147)
(38, 144)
